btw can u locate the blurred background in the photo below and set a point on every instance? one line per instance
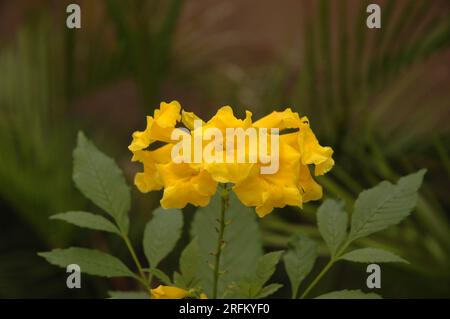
(379, 97)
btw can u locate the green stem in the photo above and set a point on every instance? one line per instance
(144, 279)
(325, 269)
(220, 242)
(317, 279)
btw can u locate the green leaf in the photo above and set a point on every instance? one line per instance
(161, 234)
(372, 255)
(268, 290)
(178, 280)
(252, 286)
(87, 220)
(332, 222)
(242, 246)
(385, 205)
(100, 179)
(91, 262)
(299, 260)
(349, 294)
(160, 275)
(128, 295)
(189, 266)
(266, 267)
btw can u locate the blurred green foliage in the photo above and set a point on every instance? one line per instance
(368, 99)
(368, 93)
(35, 143)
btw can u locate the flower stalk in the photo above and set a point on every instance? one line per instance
(220, 241)
(143, 278)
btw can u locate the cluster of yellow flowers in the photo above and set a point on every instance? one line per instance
(195, 183)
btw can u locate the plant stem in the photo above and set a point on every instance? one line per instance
(220, 242)
(317, 279)
(326, 268)
(144, 280)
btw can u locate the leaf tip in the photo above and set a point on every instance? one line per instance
(81, 136)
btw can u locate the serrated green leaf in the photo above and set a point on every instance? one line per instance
(189, 265)
(242, 243)
(265, 267)
(91, 261)
(128, 295)
(384, 205)
(299, 260)
(160, 275)
(87, 220)
(161, 234)
(332, 222)
(268, 290)
(178, 280)
(252, 286)
(349, 294)
(372, 255)
(100, 179)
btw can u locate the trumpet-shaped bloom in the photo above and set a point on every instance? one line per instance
(312, 152)
(293, 184)
(159, 127)
(182, 183)
(309, 189)
(225, 118)
(150, 180)
(273, 190)
(227, 171)
(169, 292)
(185, 184)
(308, 145)
(282, 120)
(188, 119)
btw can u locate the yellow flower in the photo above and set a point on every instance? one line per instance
(309, 189)
(232, 171)
(266, 191)
(149, 179)
(223, 172)
(188, 119)
(203, 296)
(225, 118)
(282, 120)
(312, 152)
(195, 183)
(169, 292)
(159, 127)
(184, 184)
(293, 184)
